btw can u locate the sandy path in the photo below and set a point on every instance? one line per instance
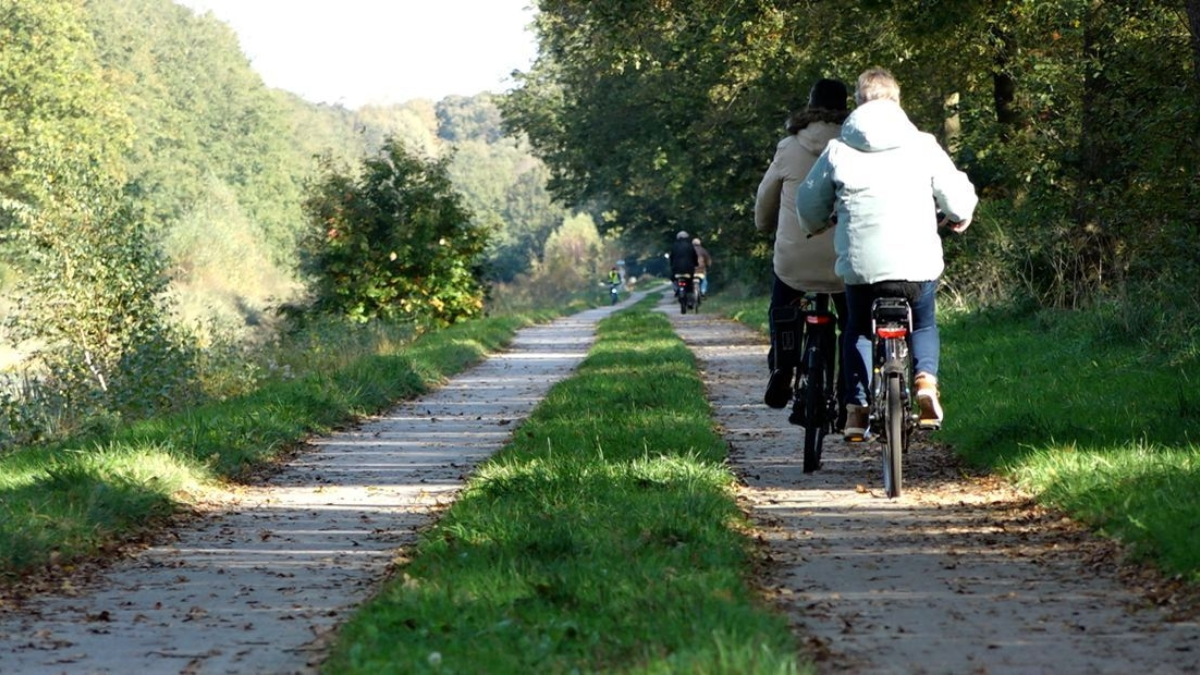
(959, 575)
(258, 588)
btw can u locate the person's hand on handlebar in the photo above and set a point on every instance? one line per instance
(956, 227)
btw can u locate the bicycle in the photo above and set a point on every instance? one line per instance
(685, 292)
(892, 409)
(614, 292)
(815, 406)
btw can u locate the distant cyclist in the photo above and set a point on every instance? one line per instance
(703, 262)
(884, 177)
(684, 259)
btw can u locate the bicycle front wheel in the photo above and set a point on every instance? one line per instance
(893, 452)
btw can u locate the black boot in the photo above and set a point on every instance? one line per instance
(779, 389)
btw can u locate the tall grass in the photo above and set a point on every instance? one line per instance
(605, 537)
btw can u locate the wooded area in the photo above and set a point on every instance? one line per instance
(152, 201)
(1076, 120)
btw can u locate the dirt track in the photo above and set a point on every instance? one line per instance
(959, 575)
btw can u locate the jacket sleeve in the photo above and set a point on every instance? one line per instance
(816, 195)
(766, 204)
(953, 191)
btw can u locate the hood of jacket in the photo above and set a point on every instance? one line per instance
(814, 137)
(878, 125)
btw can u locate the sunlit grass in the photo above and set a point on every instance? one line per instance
(1104, 428)
(72, 500)
(605, 537)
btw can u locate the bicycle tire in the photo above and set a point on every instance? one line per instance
(816, 421)
(893, 451)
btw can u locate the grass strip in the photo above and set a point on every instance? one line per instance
(73, 500)
(1090, 420)
(1082, 414)
(604, 537)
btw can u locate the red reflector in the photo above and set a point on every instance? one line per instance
(818, 319)
(889, 332)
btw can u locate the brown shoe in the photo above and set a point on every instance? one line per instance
(858, 418)
(927, 401)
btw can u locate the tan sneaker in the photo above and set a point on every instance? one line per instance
(858, 418)
(927, 401)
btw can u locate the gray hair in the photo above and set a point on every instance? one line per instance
(875, 84)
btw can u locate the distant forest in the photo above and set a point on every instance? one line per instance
(163, 105)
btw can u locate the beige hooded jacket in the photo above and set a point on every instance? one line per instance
(805, 264)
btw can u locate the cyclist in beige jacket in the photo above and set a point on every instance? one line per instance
(801, 263)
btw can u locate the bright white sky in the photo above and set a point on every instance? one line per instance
(354, 52)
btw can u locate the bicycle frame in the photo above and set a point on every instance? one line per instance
(819, 367)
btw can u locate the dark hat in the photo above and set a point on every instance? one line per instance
(828, 94)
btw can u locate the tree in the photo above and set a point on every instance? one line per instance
(90, 297)
(393, 242)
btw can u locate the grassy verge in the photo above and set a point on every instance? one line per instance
(73, 500)
(1078, 411)
(605, 537)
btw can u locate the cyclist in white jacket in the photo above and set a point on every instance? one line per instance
(884, 182)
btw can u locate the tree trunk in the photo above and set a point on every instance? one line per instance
(1085, 271)
(1004, 87)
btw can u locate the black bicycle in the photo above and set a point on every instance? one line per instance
(893, 409)
(687, 293)
(806, 341)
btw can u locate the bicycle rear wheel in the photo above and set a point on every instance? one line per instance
(815, 402)
(816, 425)
(893, 451)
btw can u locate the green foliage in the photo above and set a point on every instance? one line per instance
(393, 242)
(89, 301)
(1075, 120)
(93, 306)
(476, 118)
(54, 102)
(202, 115)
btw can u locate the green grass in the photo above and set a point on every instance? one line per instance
(605, 537)
(1081, 413)
(73, 500)
(1099, 425)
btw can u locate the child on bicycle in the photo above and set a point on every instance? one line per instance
(883, 177)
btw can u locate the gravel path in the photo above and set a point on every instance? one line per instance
(259, 587)
(959, 575)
